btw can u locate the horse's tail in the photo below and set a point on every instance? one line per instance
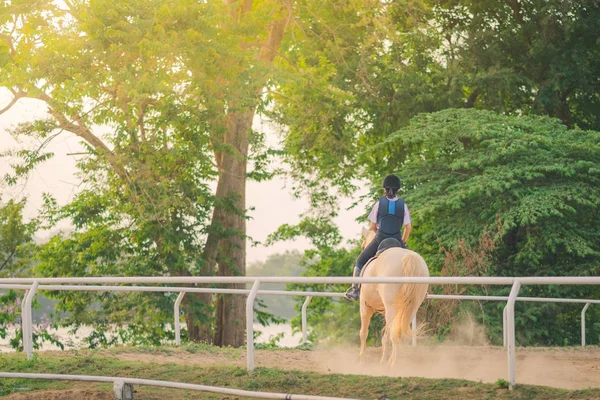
(410, 296)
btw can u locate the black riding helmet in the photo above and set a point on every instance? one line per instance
(392, 182)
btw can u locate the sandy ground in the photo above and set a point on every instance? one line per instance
(568, 368)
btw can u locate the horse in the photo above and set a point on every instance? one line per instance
(398, 302)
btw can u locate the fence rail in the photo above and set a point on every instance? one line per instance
(121, 392)
(433, 280)
(31, 285)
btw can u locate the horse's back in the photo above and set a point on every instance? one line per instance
(394, 262)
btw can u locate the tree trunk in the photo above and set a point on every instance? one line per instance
(231, 309)
(197, 313)
(563, 112)
(198, 316)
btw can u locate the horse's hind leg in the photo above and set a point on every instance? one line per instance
(366, 313)
(390, 313)
(384, 342)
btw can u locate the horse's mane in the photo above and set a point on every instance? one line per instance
(368, 235)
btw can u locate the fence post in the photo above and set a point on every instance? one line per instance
(304, 328)
(122, 390)
(177, 318)
(250, 325)
(583, 323)
(512, 298)
(27, 317)
(504, 330)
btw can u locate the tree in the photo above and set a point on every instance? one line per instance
(133, 66)
(16, 239)
(513, 57)
(526, 57)
(16, 257)
(176, 86)
(146, 179)
(368, 69)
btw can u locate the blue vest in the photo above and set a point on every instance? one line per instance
(390, 215)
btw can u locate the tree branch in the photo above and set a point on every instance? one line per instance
(246, 6)
(10, 43)
(78, 128)
(339, 54)
(515, 6)
(17, 96)
(141, 123)
(472, 98)
(270, 47)
(8, 259)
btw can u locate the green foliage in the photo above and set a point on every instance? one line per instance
(17, 252)
(538, 176)
(272, 343)
(526, 57)
(467, 168)
(502, 384)
(377, 65)
(16, 244)
(162, 77)
(321, 231)
(286, 264)
(361, 70)
(147, 85)
(9, 304)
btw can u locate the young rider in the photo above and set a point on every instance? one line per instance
(387, 217)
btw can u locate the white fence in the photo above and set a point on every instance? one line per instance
(123, 387)
(31, 285)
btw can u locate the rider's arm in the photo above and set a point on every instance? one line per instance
(407, 224)
(406, 234)
(373, 217)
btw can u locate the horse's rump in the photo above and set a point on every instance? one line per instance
(408, 299)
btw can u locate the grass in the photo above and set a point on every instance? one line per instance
(100, 362)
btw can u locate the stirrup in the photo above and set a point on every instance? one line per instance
(352, 294)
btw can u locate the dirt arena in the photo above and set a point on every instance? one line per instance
(568, 368)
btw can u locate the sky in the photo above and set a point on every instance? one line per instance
(273, 203)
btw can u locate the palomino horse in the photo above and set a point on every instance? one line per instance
(398, 302)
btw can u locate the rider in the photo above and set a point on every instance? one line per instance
(387, 217)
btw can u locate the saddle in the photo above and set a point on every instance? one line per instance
(385, 244)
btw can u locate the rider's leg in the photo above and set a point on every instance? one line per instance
(368, 253)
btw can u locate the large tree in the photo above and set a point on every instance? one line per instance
(532, 57)
(174, 87)
(514, 57)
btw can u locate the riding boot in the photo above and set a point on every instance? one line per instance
(353, 293)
